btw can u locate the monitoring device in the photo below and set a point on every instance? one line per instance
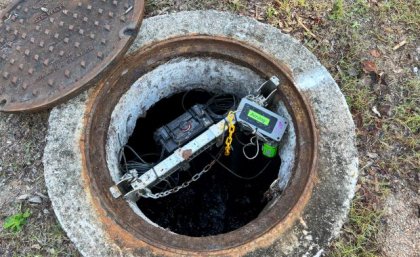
(184, 128)
(261, 120)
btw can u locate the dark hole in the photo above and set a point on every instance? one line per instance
(129, 32)
(3, 102)
(218, 202)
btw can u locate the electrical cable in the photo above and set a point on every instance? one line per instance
(185, 96)
(141, 165)
(239, 141)
(219, 105)
(251, 143)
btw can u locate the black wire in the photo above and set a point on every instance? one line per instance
(144, 166)
(239, 141)
(219, 105)
(185, 96)
(235, 174)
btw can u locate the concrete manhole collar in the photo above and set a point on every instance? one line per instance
(164, 84)
(318, 151)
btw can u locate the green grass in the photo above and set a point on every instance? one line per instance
(45, 233)
(402, 131)
(337, 12)
(271, 12)
(342, 10)
(406, 11)
(360, 7)
(360, 232)
(286, 8)
(16, 222)
(236, 5)
(407, 113)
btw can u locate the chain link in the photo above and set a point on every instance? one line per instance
(232, 128)
(149, 194)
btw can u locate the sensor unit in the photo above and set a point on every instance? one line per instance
(261, 120)
(184, 128)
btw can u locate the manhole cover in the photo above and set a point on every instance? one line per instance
(50, 50)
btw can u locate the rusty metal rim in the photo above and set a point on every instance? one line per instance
(126, 228)
(88, 80)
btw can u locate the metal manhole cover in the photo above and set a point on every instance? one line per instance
(50, 50)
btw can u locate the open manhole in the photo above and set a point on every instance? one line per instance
(289, 205)
(220, 210)
(232, 194)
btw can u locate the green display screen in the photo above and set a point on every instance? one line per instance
(258, 117)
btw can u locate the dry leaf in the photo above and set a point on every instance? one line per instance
(369, 66)
(375, 53)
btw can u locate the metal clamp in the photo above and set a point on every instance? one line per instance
(266, 92)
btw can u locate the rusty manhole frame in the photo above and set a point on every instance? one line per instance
(124, 226)
(59, 93)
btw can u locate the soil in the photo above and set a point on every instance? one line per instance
(400, 232)
(363, 49)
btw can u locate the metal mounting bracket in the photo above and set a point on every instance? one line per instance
(170, 165)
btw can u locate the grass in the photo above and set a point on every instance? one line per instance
(271, 12)
(338, 10)
(356, 27)
(360, 7)
(360, 233)
(403, 131)
(402, 11)
(285, 8)
(39, 237)
(407, 112)
(236, 5)
(16, 222)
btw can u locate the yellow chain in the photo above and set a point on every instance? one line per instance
(229, 139)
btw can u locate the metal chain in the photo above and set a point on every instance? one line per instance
(149, 194)
(230, 118)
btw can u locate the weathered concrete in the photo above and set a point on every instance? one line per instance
(327, 208)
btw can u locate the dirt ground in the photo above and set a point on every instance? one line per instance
(371, 47)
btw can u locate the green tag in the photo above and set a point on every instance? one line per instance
(269, 151)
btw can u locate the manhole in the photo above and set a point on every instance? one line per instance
(196, 60)
(315, 170)
(51, 50)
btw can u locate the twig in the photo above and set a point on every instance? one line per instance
(306, 28)
(399, 45)
(257, 16)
